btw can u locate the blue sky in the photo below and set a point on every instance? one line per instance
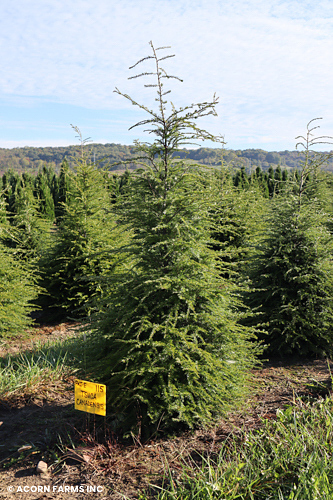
(270, 63)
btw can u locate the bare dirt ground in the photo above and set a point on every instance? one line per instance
(85, 461)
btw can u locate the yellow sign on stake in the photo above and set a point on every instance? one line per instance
(90, 397)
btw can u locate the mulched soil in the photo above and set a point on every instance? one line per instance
(66, 439)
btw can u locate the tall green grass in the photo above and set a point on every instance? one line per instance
(288, 459)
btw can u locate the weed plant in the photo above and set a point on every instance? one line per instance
(288, 459)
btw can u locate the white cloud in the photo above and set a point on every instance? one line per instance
(268, 61)
(38, 143)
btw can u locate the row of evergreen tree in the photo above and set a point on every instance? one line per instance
(69, 241)
(179, 268)
(43, 218)
(47, 190)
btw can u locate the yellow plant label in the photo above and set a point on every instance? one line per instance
(90, 397)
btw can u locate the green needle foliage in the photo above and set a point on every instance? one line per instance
(237, 216)
(82, 253)
(29, 233)
(293, 273)
(17, 291)
(63, 189)
(169, 345)
(17, 286)
(43, 194)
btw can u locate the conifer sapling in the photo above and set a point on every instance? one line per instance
(169, 345)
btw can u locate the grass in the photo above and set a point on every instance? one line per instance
(25, 372)
(288, 459)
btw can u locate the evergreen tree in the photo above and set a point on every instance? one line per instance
(27, 232)
(82, 251)
(169, 345)
(30, 232)
(261, 181)
(270, 181)
(236, 222)
(278, 179)
(10, 179)
(285, 175)
(27, 179)
(43, 194)
(293, 273)
(62, 194)
(18, 288)
(241, 178)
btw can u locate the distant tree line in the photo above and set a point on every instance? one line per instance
(110, 156)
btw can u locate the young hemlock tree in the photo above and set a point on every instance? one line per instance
(293, 273)
(17, 286)
(241, 178)
(260, 180)
(237, 216)
(18, 289)
(84, 240)
(44, 195)
(29, 233)
(62, 194)
(10, 179)
(169, 345)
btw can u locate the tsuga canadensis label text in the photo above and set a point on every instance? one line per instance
(90, 397)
